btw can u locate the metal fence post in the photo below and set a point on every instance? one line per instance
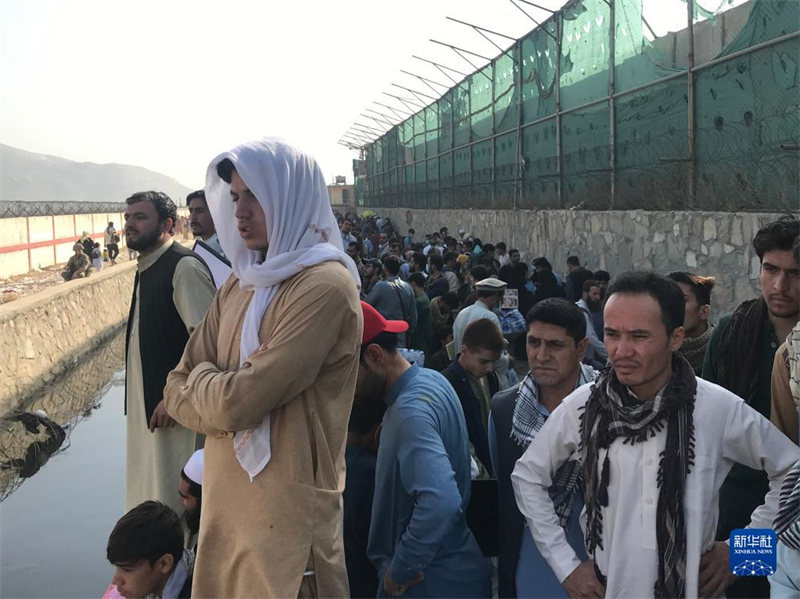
(691, 101)
(518, 196)
(559, 149)
(612, 162)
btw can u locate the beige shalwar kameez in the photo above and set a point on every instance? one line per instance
(154, 460)
(257, 539)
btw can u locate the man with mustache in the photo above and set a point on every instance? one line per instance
(654, 444)
(555, 343)
(201, 222)
(740, 356)
(172, 292)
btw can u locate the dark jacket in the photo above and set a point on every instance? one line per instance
(512, 522)
(359, 489)
(436, 287)
(744, 488)
(575, 281)
(476, 427)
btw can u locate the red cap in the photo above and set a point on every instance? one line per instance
(375, 324)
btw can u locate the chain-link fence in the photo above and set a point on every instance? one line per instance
(596, 110)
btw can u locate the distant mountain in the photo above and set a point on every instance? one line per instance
(29, 177)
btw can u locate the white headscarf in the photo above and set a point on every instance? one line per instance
(301, 230)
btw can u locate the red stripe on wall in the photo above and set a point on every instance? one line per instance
(41, 244)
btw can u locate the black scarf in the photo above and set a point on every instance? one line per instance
(737, 369)
(612, 412)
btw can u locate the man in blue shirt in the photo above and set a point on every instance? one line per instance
(419, 540)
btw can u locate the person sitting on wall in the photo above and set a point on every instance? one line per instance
(79, 266)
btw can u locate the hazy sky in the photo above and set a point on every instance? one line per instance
(169, 84)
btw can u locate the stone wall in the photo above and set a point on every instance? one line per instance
(708, 243)
(48, 333)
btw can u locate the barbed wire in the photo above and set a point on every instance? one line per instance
(12, 209)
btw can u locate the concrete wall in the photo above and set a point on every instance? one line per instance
(34, 242)
(708, 243)
(47, 333)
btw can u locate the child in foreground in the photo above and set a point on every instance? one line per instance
(146, 548)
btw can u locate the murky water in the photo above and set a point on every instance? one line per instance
(54, 525)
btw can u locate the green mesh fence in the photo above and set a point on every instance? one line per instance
(571, 116)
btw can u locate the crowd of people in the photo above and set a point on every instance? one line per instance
(387, 414)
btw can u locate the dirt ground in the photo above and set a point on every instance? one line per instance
(29, 283)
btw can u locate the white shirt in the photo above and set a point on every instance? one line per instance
(213, 243)
(467, 316)
(726, 430)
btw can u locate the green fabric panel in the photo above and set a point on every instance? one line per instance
(463, 150)
(420, 177)
(505, 195)
(506, 99)
(586, 162)
(768, 20)
(482, 162)
(431, 130)
(539, 55)
(419, 135)
(446, 170)
(432, 173)
(747, 107)
(506, 157)
(446, 122)
(540, 177)
(406, 138)
(480, 101)
(410, 184)
(461, 169)
(584, 54)
(446, 179)
(652, 135)
(461, 122)
(637, 60)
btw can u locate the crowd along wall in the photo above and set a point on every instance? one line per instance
(707, 243)
(45, 334)
(33, 242)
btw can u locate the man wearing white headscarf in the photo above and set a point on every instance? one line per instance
(269, 377)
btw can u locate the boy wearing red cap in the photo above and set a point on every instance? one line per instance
(419, 540)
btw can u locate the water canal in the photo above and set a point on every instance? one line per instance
(54, 525)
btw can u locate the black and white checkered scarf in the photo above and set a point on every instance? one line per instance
(612, 412)
(787, 521)
(526, 423)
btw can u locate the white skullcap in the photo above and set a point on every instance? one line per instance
(491, 284)
(194, 468)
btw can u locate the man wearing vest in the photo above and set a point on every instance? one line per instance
(172, 291)
(555, 344)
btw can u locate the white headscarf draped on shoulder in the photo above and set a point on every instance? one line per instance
(301, 230)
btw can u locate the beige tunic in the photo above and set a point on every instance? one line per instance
(154, 460)
(783, 413)
(258, 538)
